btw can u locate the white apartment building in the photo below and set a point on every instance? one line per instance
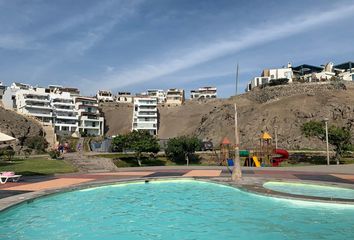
(104, 96)
(204, 93)
(35, 102)
(157, 93)
(145, 114)
(65, 117)
(124, 97)
(90, 120)
(175, 97)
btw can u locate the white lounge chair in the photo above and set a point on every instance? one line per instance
(5, 176)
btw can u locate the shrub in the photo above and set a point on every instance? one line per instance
(7, 153)
(181, 149)
(37, 143)
(54, 154)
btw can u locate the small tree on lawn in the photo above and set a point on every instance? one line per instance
(181, 149)
(140, 142)
(338, 137)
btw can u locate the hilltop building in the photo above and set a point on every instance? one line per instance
(124, 97)
(104, 96)
(159, 94)
(268, 75)
(74, 92)
(175, 97)
(204, 93)
(305, 73)
(345, 71)
(90, 120)
(145, 114)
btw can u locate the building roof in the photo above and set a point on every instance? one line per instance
(345, 65)
(307, 68)
(266, 136)
(225, 141)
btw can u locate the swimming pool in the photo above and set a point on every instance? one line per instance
(183, 209)
(310, 190)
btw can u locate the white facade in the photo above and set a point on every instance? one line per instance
(9, 96)
(90, 120)
(204, 93)
(145, 115)
(159, 94)
(35, 102)
(278, 73)
(104, 96)
(271, 74)
(124, 97)
(346, 76)
(175, 97)
(65, 117)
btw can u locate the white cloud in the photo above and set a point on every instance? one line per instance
(221, 47)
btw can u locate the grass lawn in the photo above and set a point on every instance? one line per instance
(36, 166)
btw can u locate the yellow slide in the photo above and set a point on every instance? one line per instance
(256, 162)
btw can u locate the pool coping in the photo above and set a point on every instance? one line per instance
(246, 184)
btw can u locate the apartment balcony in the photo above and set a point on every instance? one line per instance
(38, 114)
(146, 103)
(83, 105)
(67, 117)
(146, 114)
(59, 104)
(144, 126)
(42, 100)
(90, 114)
(97, 127)
(65, 111)
(142, 120)
(63, 124)
(38, 106)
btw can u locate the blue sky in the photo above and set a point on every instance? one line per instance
(135, 45)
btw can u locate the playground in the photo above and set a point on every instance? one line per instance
(266, 154)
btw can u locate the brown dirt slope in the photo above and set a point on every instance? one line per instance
(118, 117)
(286, 107)
(18, 126)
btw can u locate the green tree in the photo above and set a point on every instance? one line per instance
(119, 143)
(339, 138)
(181, 149)
(140, 142)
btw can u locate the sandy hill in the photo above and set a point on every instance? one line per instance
(19, 126)
(286, 107)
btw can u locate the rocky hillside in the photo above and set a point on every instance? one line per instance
(286, 107)
(19, 126)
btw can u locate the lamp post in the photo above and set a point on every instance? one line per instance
(326, 123)
(276, 136)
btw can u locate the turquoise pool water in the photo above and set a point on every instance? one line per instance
(175, 210)
(310, 190)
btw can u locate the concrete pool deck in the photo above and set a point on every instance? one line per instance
(253, 178)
